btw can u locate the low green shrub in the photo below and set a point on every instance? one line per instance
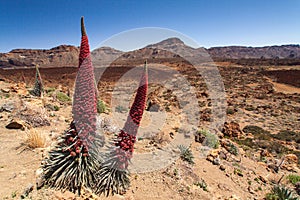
(293, 178)
(186, 154)
(211, 140)
(62, 97)
(101, 107)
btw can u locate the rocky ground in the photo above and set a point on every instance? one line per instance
(258, 144)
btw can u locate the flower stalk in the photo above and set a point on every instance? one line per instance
(113, 176)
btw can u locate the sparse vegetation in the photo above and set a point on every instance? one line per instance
(238, 172)
(293, 178)
(52, 107)
(211, 140)
(49, 90)
(202, 184)
(258, 132)
(14, 194)
(287, 135)
(280, 193)
(186, 154)
(233, 149)
(230, 111)
(101, 107)
(121, 109)
(62, 97)
(35, 139)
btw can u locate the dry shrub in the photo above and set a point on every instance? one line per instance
(35, 139)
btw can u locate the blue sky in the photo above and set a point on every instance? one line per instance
(44, 24)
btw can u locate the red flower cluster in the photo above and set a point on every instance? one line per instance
(125, 143)
(74, 144)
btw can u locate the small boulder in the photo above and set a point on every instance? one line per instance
(7, 107)
(16, 124)
(5, 90)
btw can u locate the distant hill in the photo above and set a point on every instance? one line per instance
(60, 56)
(268, 52)
(67, 56)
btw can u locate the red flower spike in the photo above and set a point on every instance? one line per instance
(127, 135)
(85, 98)
(138, 106)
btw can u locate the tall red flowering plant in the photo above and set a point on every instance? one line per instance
(113, 175)
(73, 163)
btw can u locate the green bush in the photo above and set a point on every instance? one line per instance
(233, 149)
(49, 90)
(101, 107)
(62, 97)
(293, 178)
(211, 140)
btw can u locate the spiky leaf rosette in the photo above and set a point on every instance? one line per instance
(113, 176)
(38, 85)
(69, 165)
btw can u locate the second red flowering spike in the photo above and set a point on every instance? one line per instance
(137, 109)
(113, 175)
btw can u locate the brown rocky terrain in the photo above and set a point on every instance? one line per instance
(61, 56)
(258, 145)
(66, 55)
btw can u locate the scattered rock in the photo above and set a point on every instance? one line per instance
(153, 107)
(7, 107)
(233, 197)
(222, 167)
(5, 90)
(250, 190)
(16, 124)
(20, 88)
(232, 129)
(216, 161)
(263, 179)
(210, 158)
(65, 195)
(26, 192)
(214, 153)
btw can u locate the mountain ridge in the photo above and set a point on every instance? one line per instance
(67, 55)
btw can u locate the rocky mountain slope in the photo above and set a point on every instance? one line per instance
(60, 56)
(66, 55)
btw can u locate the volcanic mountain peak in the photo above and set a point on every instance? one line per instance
(167, 43)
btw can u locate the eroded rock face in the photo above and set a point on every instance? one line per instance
(61, 56)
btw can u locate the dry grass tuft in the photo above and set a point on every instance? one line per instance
(35, 139)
